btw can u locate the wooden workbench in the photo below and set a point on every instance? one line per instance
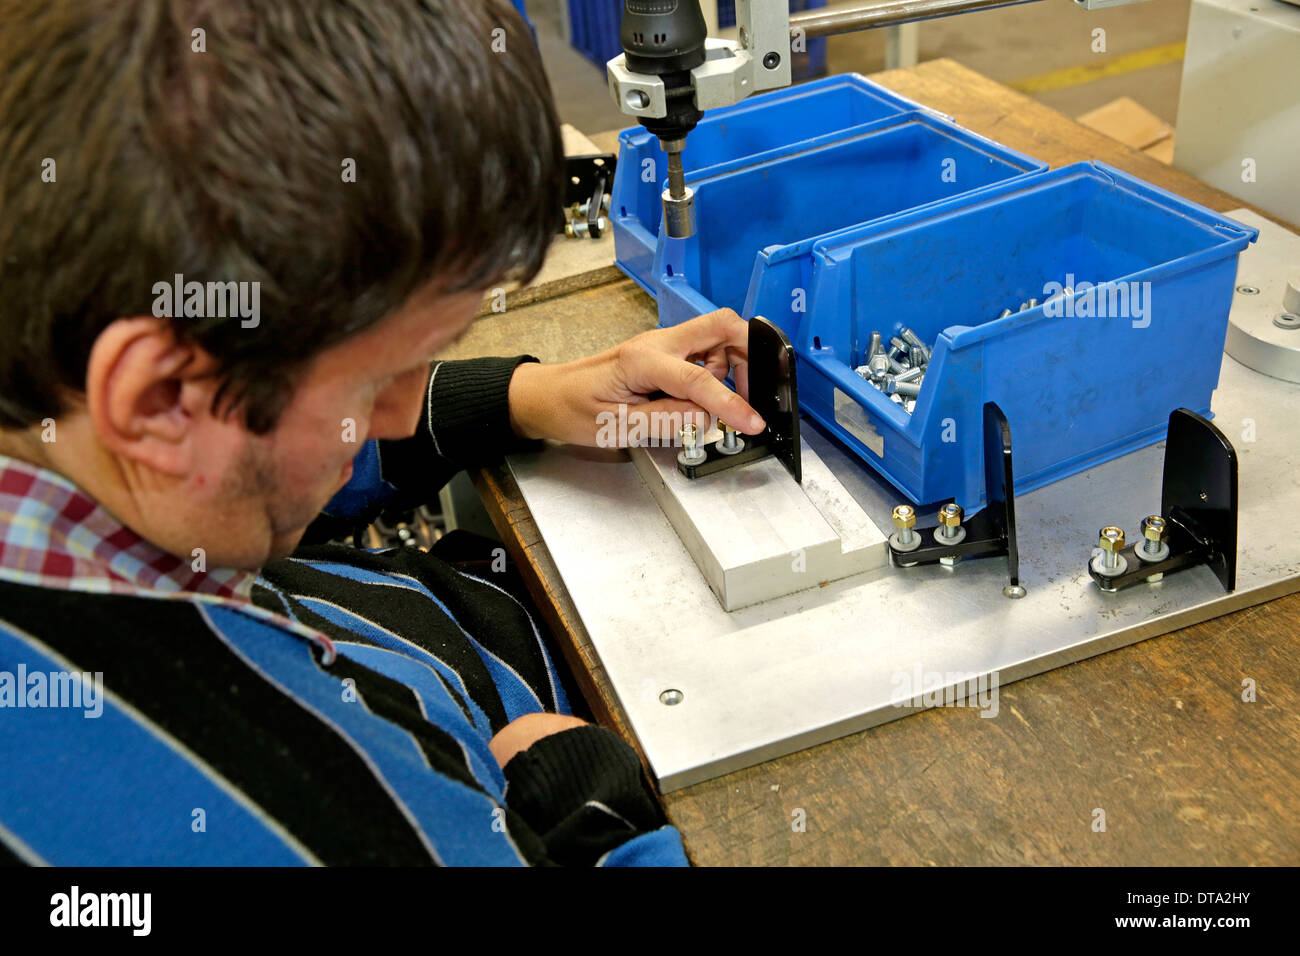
(1156, 735)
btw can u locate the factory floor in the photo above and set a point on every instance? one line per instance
(1044, 49)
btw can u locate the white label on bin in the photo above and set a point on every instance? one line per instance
(850, 416)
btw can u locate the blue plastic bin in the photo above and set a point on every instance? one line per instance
(884, 168)
(593, 29)
(1077, 389)
(769, 123)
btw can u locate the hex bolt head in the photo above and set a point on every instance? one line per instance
(691, 453)
(950, 516)
(1111, 541)
(905, 538)
(1154, 530)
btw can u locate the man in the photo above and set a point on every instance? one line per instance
(232, 238)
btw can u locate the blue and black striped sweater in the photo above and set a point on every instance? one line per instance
(340, 717)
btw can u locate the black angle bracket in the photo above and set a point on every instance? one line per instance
(1198, 500)
(774, 394)
(589, 179)
(991, 532)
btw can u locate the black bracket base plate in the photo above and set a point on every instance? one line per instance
(1198, 500)
(774, 394)
(991, 532)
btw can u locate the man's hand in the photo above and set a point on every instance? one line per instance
(522, 732)
(570, 402)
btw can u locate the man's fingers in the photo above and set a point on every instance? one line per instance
(703, 334)
(740, 371)
(661, 421)
(694, 383)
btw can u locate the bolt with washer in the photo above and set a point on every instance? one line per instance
(905, 537)
(1110, 562)
(731, 442)
(691, 453)
(1154, 532)
(950, 531)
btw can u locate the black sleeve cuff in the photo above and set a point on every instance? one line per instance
(465, 422)
(467, 410)
(583, 791)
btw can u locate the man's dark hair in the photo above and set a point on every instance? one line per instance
(220, 155)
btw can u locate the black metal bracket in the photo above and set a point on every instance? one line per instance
(1198, 500)
(589, 179)
(991, 532)
(774, 394)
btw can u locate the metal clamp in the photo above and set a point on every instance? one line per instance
(991, 532)
(1197, 523)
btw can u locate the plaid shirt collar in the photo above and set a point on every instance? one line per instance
(52, 535)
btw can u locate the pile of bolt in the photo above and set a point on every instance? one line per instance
(1110, 562)
(899, 370)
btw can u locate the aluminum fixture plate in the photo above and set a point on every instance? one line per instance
(812, 666)
(1267, 265)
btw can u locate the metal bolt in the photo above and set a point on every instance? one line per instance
(910, 338)
(1154, 531)
(921, 356)
(1005, 313)
(1111, 542)
(905, 521)
(950, 516)
(691, 452)
(913, 374)
(879, 365)
(731, 442)
(873, 348)
(906, 389)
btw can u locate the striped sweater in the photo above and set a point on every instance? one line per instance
(334, 709)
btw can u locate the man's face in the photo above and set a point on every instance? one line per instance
(253, 496)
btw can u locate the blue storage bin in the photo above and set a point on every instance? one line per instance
(593, 29)
(769, 123)
(879, 170)
(1077, 389)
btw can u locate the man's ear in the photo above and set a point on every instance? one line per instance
(147, 393)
